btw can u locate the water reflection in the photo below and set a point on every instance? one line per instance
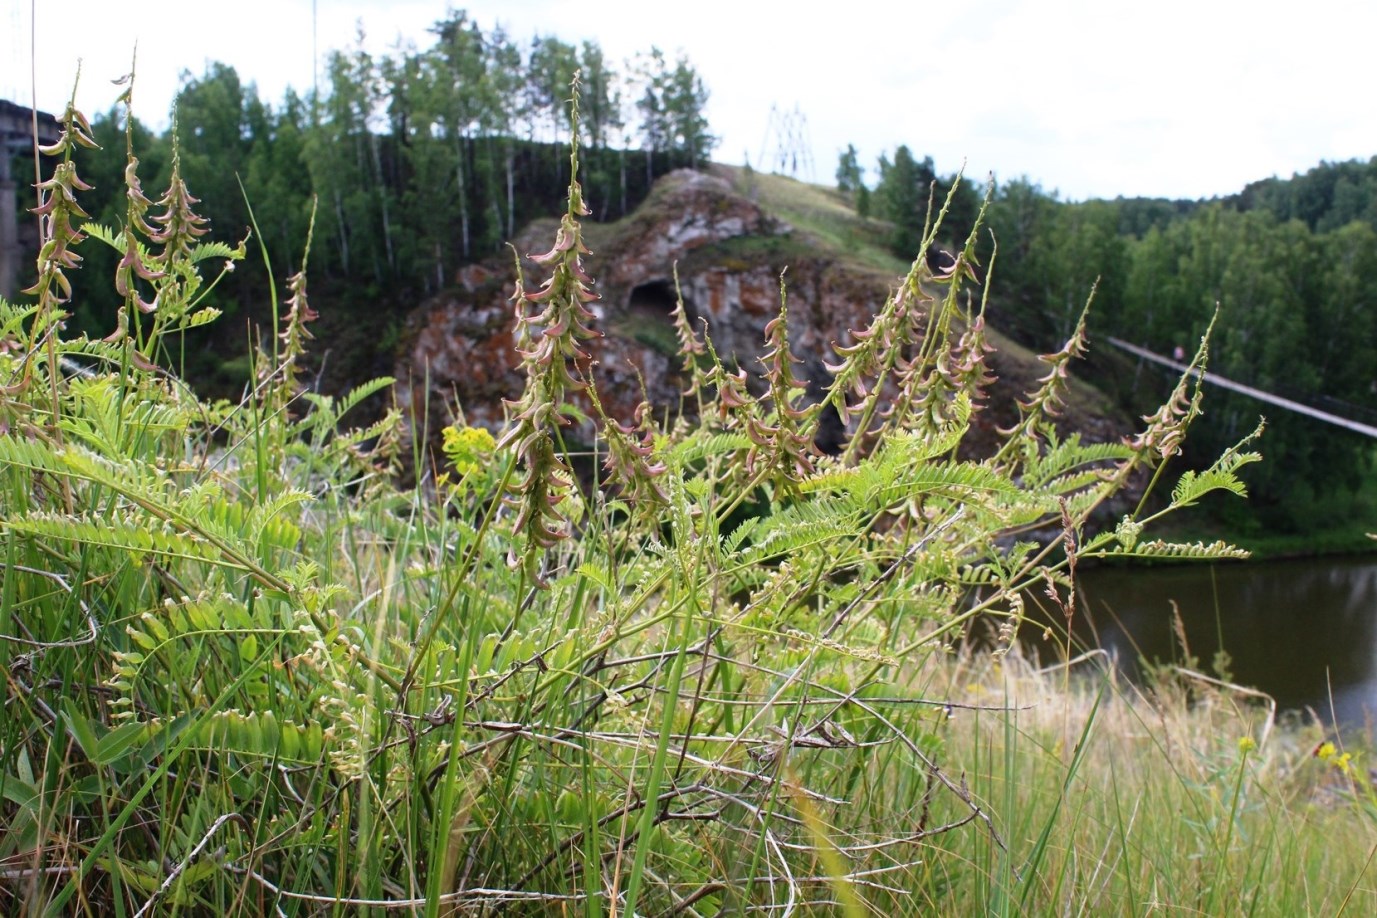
(1298, 630)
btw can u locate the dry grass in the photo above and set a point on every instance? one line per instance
(1180, 797)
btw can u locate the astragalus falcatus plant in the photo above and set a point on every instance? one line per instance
(248, 672)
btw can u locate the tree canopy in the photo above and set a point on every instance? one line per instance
(1288, 263)
(1289, 266)
(416, 163)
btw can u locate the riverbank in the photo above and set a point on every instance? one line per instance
(1340, 523)
(1347, 539)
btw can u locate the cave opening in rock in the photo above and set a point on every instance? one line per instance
(647, 318)
(657, 298)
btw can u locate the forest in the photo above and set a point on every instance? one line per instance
(1290, 264)
(422, 161)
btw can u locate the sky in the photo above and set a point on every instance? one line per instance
(1090, 98)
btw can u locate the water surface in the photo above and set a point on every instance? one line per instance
(1304, 631)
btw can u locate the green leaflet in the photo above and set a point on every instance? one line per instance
(335, 409)
(259, 734)
(130, 535)
(703, 444)
(1071, 454)
(34, 455)
(1191, 487)
(1157, 548)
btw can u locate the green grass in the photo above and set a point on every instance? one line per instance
(824, 216)
(1182, 796)
(653, 331)
(246, 671)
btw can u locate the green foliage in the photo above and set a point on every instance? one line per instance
(416, 162)
(851, 183)
(671, 106)
(1328, 197)
(1294, 316)
(902, 197)
(849, 179)
(246, 672)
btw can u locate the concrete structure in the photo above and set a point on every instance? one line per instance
(18, 239)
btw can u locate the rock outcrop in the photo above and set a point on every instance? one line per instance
(460, 358)
(461, 348)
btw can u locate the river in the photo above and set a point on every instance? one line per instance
(1304, 631)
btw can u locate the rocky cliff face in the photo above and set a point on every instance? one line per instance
(460, 344)
(730, 255)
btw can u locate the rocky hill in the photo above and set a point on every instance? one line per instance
(731, 234)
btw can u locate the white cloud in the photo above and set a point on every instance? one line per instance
(1174, 98)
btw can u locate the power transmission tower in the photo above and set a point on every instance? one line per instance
(786, 149)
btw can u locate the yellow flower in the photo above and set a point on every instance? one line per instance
(1327, 753)
(1246, 744)
(467, 448)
